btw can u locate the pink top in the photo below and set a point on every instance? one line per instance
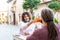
(42, 34)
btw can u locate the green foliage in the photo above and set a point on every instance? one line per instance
(0, 23)
(54, 0)
(55, 20)
(33, 17)
(25, 6)
(54, 5)
(31, 4)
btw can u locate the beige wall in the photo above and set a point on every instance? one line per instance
(19, 10)
(37, 12)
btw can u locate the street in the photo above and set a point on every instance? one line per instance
(7, 31)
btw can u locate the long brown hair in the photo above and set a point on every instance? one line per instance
(47, 16)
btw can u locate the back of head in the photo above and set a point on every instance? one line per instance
(47, 16)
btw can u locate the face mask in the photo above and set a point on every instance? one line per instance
(27, 21)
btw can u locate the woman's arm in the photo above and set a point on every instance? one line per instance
(33, 36)
(26, 26)
(33, 21)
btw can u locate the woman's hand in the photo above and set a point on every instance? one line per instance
(22, 29)
(26, 33)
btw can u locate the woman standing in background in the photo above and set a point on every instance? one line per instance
(25, 27)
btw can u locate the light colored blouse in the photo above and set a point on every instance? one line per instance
(30, 29)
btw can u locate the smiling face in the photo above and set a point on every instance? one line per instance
(26, 17)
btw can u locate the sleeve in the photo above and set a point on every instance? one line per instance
(21, 27)
(33, 36)
(30, 29)
(38, 34)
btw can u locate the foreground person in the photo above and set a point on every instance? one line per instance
(50, 30)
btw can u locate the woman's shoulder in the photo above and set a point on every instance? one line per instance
(37, 34)
(41, 30)
(21, 23)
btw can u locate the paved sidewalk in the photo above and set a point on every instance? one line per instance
(7, 31)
